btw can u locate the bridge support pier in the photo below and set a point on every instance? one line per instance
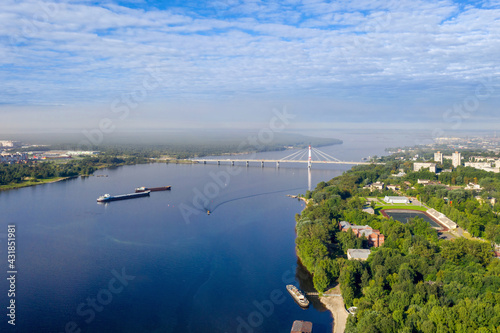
(278, 164)
(232, 163)
(309, 160)
(247, 163)
(262, 164)
(218, 162)
(204, 162)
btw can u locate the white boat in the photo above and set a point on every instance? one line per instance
(298, 295)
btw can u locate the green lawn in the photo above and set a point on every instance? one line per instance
(409, 207)
(29, 183)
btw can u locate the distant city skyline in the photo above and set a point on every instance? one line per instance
(67, 65)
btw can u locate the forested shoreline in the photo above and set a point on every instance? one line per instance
(111, 155)
(34, 171)
(415, 282)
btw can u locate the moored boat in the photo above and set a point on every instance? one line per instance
(152, 189)
(108, 198)
(298, 295)
(300, 326)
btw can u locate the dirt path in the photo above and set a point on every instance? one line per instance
(336, 306)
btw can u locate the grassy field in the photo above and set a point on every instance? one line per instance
(379, 207)
(409, 207)
(381, 204)
(30, 183)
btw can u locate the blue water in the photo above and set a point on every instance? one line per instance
(403, 217)
(185, 271)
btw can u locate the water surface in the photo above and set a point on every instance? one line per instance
(189, 271)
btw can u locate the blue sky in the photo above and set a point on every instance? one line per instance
(229, 63)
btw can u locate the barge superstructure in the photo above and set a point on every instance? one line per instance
(108, 198)
(152, 189)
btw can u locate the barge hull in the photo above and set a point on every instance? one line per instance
(124, 196)
(153, 189)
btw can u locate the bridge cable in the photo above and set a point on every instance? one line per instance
(326, 155)
(301, 156)
(290, 156)
(315, 157)
(322, 157)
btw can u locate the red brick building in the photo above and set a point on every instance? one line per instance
(374, 237)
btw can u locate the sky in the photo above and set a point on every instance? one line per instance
(67, 65)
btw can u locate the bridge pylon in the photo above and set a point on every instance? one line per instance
(309, 161)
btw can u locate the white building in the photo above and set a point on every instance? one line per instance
(478, 165)
(77, 153)
(396, 200)
(13, 158)
(486, 166)
(369, 210)
(472, 186)
(358, 254)
(377, 186)
(418, 166)
(456, 159)
(438, 157)
(481, 159)
(442, 219)
(8, 143)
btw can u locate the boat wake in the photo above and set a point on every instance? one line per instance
(123, 242)
(185, 308)
(212, 209)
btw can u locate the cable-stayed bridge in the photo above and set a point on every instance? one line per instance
(308, 155)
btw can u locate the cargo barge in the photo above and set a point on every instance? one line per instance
(152, 189)
(108, 198)
(300, 326)
(298, 296)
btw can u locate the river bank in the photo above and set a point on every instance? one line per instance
(29, 183)
(306, 201)
(34, 183)
(335, 304)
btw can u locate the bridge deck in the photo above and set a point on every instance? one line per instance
(281, 161)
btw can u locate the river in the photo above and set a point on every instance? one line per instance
(160, 263)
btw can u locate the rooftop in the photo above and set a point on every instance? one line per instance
(300, 326)
(358, 253)
(347, 225)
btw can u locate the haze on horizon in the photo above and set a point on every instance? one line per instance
(230, 64)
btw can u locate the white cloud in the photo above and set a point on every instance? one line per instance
(78, 51)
